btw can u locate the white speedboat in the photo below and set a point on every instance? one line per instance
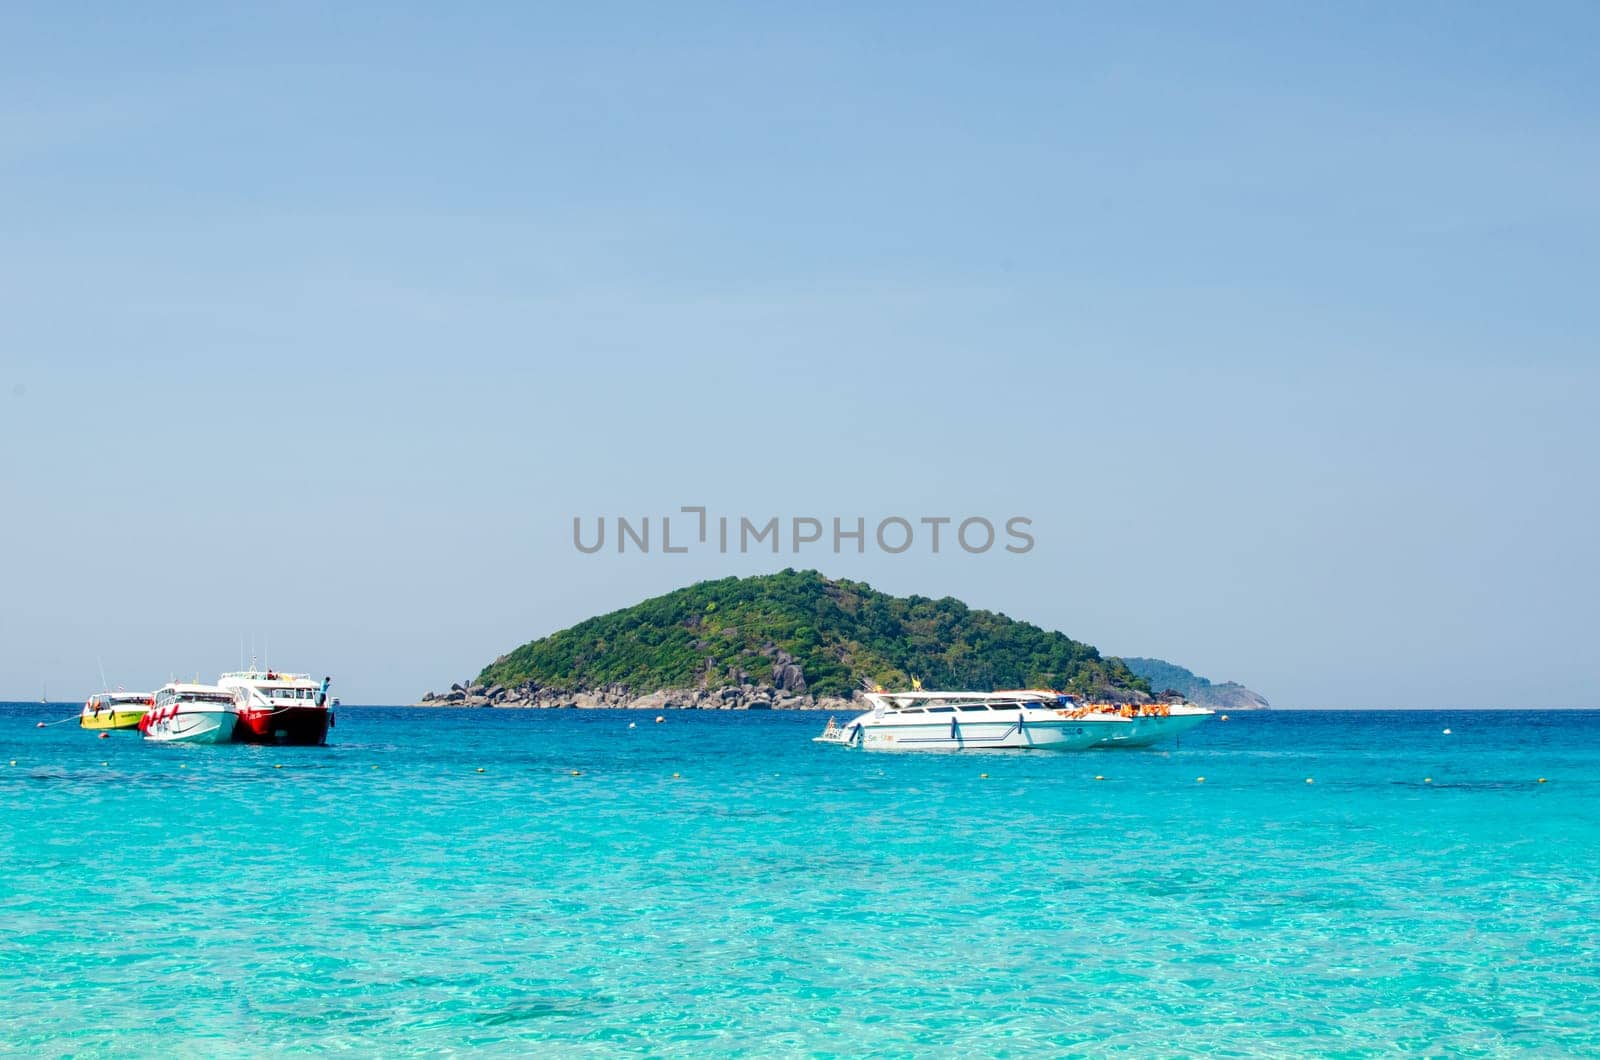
(1028, 718)
(191, 714)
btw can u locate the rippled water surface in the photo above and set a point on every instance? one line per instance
(777, 896)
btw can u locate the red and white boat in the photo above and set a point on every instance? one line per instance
(277, 707)
(186, 713)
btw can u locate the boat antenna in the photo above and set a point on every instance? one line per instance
(102, 664)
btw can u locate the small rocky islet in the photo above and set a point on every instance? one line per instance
(797, 640)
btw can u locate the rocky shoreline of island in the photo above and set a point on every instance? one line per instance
(530, 696)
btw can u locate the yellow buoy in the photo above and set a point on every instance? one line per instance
(577, 773)
(277, 765)
(983, 776)
(374, 767)
(1097, 776)
(1541, 780)
(13, 761)
(1199, 780)
(1427, 780)
(480, 769)
(675, 776)
(1310, 781)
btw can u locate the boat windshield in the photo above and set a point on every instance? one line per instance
(205, 697)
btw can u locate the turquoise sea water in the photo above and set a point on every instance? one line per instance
(781, 897)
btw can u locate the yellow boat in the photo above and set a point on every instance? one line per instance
(114, 710)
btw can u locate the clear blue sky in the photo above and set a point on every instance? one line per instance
(318, 323)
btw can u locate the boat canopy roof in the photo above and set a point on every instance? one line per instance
(282, 676)
(122, 697)
(1024, 695)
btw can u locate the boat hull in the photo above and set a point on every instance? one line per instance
(287, 725)
(1142, 732)
(970, 735)
(111, 719)
(190, 724)
(1036, 730)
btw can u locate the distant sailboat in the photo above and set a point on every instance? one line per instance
(44, 693)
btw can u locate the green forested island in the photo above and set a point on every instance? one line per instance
(791, 639)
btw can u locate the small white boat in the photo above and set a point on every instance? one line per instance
(1027, 718)
(191, 714)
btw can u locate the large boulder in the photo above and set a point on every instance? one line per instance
(789, 677)
(652, 701)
